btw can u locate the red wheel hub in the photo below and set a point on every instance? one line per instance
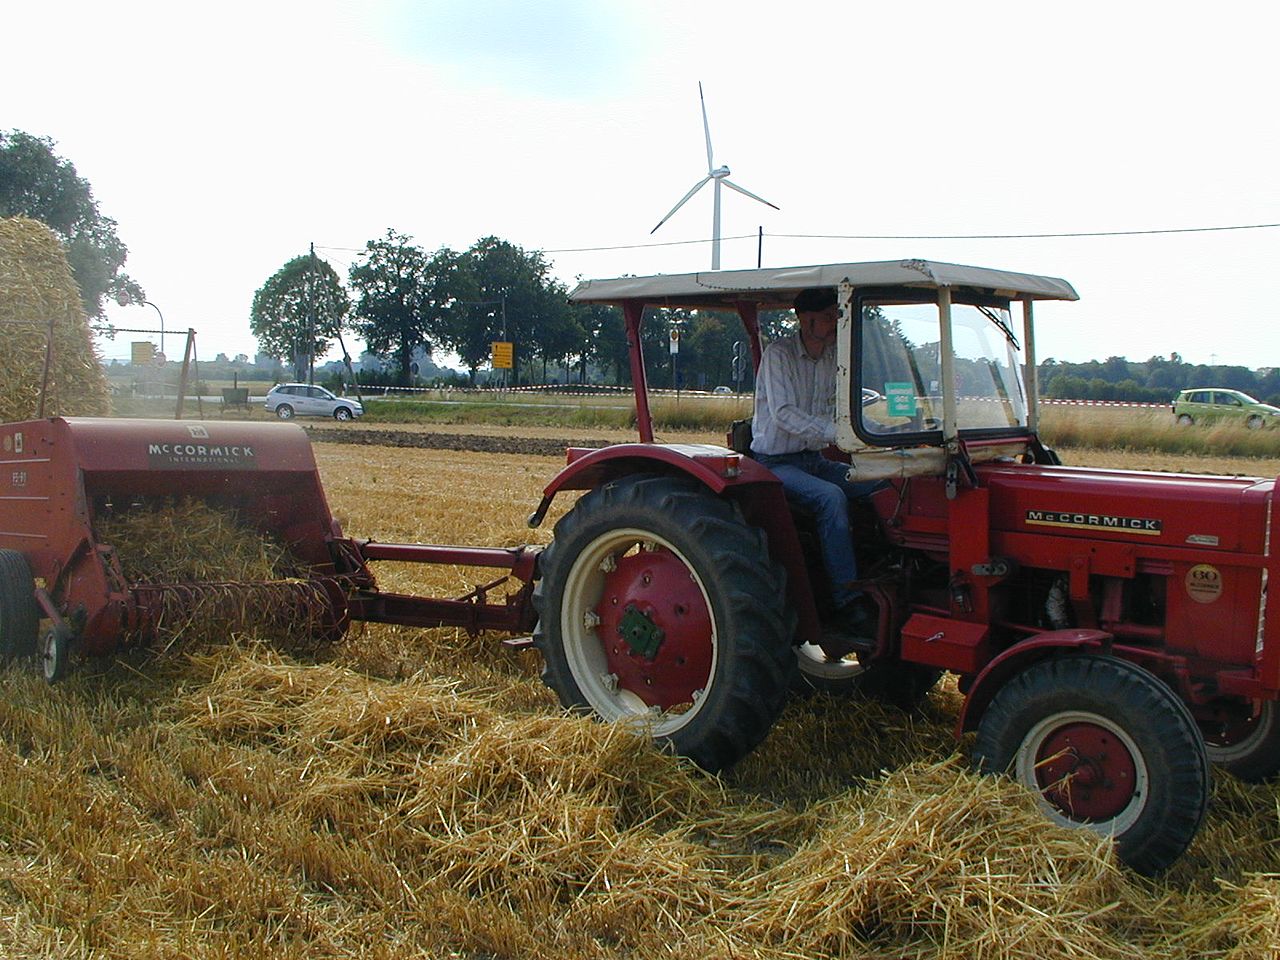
(1084, 770)
(653, 593)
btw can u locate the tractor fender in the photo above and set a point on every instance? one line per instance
(1017, 658)
(716, 468)
(724, 473)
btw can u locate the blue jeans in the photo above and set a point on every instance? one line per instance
(820, 486)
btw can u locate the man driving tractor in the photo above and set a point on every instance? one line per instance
(793, 422)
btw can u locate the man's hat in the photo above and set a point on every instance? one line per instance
(814, 299)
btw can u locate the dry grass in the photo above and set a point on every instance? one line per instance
(1141, 432)
(416, 794)
(36, 288)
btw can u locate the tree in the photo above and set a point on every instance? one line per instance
(299, 311)
(499, 290)
(607, 334)
(400, 298)
(35, 182)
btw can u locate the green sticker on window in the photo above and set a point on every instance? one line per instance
(900, 399)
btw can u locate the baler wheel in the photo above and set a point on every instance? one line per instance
(55, 653)
(1248, 749)
(19, 614)
(1104, 745)
(659, 607)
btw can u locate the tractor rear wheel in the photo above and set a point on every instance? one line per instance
(659, 607)
(1104, 745)
(1248, 748)
(19, 614)
(904, 685)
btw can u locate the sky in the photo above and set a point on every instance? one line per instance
(226, 138)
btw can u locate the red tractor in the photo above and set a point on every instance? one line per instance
(1109, 628)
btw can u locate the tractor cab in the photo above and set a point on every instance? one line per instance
(936, 363)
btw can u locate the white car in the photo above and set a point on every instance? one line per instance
(289, 400)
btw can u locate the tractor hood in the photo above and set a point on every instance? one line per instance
(1154, 509)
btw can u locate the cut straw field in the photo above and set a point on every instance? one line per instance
(417, 793)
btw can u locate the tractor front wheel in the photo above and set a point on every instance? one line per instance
(1104, 745)
(659, 607)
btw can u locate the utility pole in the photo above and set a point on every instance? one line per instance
(311, 317)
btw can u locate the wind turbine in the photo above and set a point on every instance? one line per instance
(721, 176)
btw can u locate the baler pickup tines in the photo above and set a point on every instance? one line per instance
(301, 611)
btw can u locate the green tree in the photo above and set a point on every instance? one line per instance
(399, 300)
(496, 290)
(299, 311)
(605, 338)
(35, 182)
(706, 349)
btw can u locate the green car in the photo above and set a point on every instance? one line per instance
(1211, 404)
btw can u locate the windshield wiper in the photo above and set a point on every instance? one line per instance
(999, 322)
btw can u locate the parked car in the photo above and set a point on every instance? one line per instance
(722, 390)
(289, 400)
(1210, 403)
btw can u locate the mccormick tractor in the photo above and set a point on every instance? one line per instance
(1109, 628)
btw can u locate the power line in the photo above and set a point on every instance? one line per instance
(1022, 236)
(908, 236)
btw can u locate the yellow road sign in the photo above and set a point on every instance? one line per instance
(504, 354)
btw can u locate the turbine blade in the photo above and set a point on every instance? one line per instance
(696, 187)
(706, 128)
(747, 193)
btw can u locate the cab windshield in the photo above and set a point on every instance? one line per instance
(900, 361)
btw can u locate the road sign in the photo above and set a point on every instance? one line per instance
(142, 351)
(504, 353)
(675, 339)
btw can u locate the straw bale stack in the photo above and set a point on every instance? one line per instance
(36, 287)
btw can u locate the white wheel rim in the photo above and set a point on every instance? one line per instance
(814, 662)
(1025, 771)
(584, 653)
(49, 654)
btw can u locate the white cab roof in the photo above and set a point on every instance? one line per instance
(776, 286)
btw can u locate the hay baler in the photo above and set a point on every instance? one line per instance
(62, 475)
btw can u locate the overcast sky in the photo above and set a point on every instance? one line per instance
(225, 138)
